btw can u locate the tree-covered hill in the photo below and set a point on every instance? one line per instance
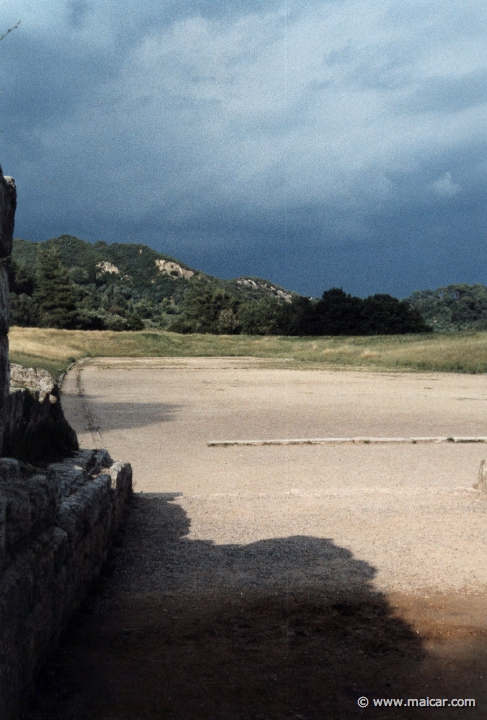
(66, 282)
(116, 286)
(452, 308)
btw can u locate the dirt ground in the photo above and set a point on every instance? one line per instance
(280, 581)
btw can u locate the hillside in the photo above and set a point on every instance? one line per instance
(147, 271)
(121, 286)
(69, 283)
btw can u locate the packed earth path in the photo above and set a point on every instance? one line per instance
(281, 581)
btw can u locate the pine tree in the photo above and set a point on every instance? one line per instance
(54, 293)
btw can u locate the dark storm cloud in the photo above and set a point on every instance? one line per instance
(341, 143)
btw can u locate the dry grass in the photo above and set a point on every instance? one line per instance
(55, 350)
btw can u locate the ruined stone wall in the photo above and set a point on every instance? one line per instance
(57, 522)
(56, 528)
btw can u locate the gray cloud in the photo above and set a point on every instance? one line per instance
(448, 94)
(227, 133)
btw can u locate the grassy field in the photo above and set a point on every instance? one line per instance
(55, 350)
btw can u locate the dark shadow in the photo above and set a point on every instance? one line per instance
(123, 415)
(188, 630)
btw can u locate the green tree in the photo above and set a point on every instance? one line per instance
(339, 313)
(209, 309)
(386, 315)
(300, 317)
(265, 317)
(343, 314)
(455, 307)
(23, 310)
(54, 293)
(21, 277)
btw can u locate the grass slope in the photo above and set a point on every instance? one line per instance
(55, 350)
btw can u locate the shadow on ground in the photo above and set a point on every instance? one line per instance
(183, 629)
(148, 413)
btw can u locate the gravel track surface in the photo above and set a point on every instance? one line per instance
(366, 561)
(409, 511)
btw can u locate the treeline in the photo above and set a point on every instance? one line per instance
(209, 309)
(453, 308)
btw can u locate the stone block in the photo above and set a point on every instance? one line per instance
(32, 614)
(4, 370)
(80, 512)
(120, 474)
(4, 315)
(92, 461)
(8, 204)
(3, 526)
(9, 471)
(30, 503)
(69, 478)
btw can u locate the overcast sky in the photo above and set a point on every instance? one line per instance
(315, 144)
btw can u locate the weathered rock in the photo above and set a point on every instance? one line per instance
(34, 379)
(56, 529)
(32, 610)
(9, 470)
(35, 429)
(93, 461)
(8, 204)
(30, 503)
(4, 369)
(120, 475)
(4, 383)
(4, 315)
(3, 529)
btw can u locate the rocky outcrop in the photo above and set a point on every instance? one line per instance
(173, 269)
(108, 267)
(56, 528)
(265, 287)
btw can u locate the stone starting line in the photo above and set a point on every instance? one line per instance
(350, 441)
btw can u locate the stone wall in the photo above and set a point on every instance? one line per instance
(56, 528)
(57, 521)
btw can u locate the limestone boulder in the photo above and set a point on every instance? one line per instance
(34, 379)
